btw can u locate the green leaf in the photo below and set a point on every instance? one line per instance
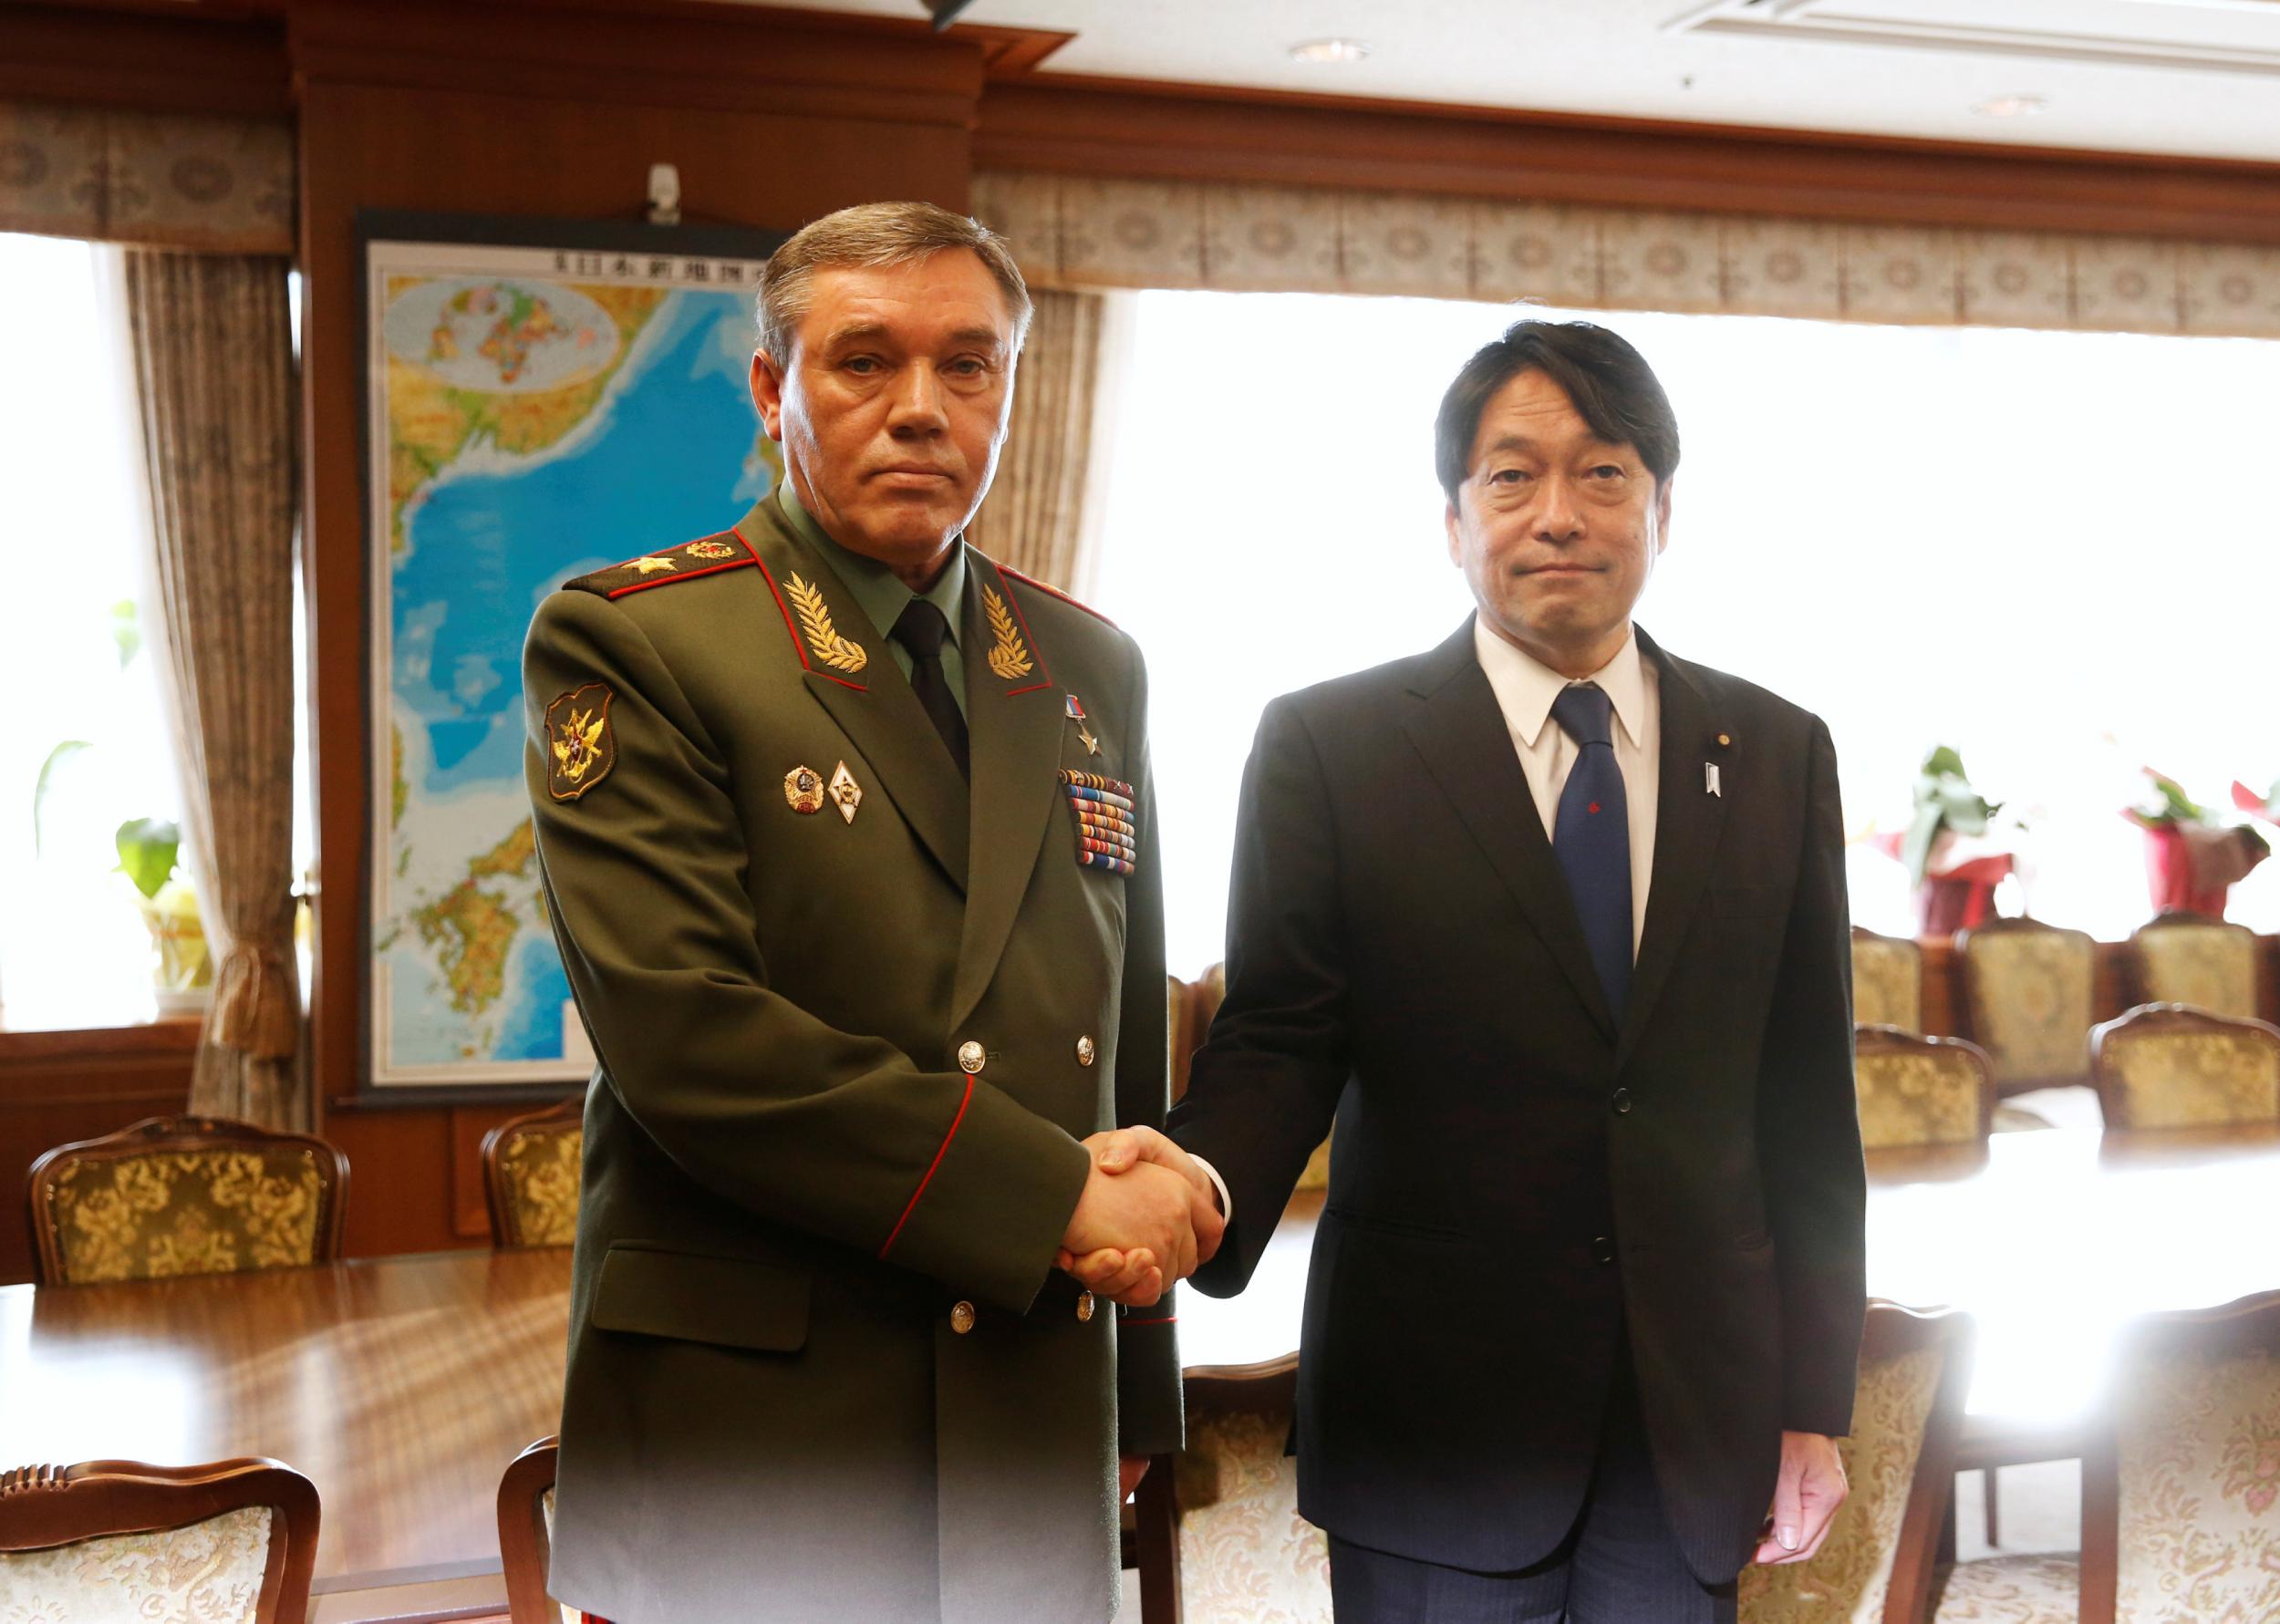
(1943, 762)
(147, 850)
(127, 630)
(55, 758)
(1915, 847)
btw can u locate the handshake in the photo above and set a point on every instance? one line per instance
(1149, 1215)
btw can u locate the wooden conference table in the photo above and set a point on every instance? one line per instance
(404, 1385)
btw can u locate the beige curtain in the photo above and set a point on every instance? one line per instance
(1037, 517)
(211, 346)
(167, 180)
(1081, 232)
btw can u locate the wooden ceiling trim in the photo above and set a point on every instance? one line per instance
(1069, 125)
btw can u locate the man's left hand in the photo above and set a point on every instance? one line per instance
(1130, 1470)
(1805, 1499)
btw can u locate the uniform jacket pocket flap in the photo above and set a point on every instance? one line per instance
(733, 1302)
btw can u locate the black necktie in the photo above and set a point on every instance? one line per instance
(921, 628)
(1591, 837)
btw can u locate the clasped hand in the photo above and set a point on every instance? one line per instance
(1149, 1216)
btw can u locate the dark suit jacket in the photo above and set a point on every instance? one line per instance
(845, 1064)
(1519, 1185)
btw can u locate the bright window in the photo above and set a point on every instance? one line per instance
(74, 950)
(2053, 550)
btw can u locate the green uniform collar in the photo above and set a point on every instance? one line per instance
(876, 588)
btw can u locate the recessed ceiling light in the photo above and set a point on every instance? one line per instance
(2011, 107)
(1330, 50)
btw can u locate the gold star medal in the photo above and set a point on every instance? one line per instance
(1084, 733)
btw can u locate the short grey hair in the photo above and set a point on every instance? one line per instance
(866, 237)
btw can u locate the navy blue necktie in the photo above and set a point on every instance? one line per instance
(1592, 838)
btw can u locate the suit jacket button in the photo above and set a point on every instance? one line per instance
(1086, 1052)
(1621, 1101)
(970, 1055)
(962, 1318)
(1602, 1249)
(1084, 1306)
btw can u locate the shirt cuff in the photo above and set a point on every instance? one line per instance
(1227, 1202)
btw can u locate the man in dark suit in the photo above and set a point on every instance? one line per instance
(1554, 922)
(848, 840)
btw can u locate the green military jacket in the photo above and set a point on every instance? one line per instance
(851, 1020)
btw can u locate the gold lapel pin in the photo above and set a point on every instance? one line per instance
(803, 790)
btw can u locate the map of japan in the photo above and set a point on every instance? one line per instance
(529, 423)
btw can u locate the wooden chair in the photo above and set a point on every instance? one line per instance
(1877, 1565)
(2029, 988)
(2190, 959)
(2181, 1496)
(526, 1524)
(2170, 1066)
(1218, 1530)
(184, 1195)
(1887, 981)
(230, 1542)
(531, 1176)
(1918, 1091)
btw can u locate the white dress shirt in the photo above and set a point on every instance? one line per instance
(1525, 689)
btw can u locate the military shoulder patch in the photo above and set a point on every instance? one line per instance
(707, 557)
(581, 745)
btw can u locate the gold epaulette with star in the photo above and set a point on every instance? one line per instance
(707, 555)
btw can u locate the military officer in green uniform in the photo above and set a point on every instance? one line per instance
(849, 846)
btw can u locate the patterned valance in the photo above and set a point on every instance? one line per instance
(1079, 232)
(158, 180)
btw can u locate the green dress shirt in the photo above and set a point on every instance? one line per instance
(884, 596)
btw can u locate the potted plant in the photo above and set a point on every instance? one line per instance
(1952, 861)
(149, 853)
(2192, 859)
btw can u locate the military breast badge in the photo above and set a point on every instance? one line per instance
(845, 793)
(1107, 835)
(803, 790)
(580, 747)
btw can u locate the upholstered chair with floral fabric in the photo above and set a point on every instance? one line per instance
(1887, 981)
(1180, 1036)
(1920, 1091)
(2189, 958)
(230, 1543)
(2168, 1066)
(1876, 1566)
(2030, 990)
(530, 1166)
(2028, 1589)
(2181, 1501)
(185, 1195)
(1221, 1529)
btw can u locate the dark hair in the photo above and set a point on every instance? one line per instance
(1608, 383)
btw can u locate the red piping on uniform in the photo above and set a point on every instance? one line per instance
(923, 1182)
(1167, 1320)
(737, 563)
(1053, 592)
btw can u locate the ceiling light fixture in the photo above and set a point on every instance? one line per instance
(2011, 107)
(1330, 50)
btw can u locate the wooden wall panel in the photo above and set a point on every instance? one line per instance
(59, 1086)
(1072, 125)
(176, 64)
(415, 1176)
